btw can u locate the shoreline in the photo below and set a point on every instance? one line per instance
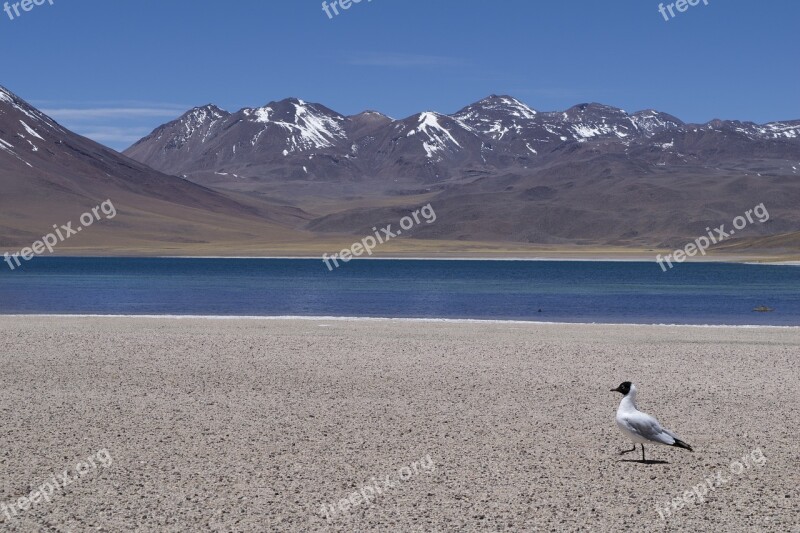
(528, 259)
(394, 319)
(547, 259)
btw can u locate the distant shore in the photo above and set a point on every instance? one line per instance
(416, 249)
(598, 259)
(565, 256)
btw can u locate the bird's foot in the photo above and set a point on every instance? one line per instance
(623, 452)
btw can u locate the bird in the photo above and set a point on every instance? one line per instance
(640, 427)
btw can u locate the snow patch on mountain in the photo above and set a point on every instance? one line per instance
(8, 148)
(317, 130)
(263, 114)
(198, 122)
(30, 130)
(307, 128)
(651, 122)
(776, 130)
(23, 107)
(439, 139)
(587, 131)
(496, 116)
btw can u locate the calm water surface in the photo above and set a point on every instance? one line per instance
(563, 291)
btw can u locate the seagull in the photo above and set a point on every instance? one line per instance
(640, 427)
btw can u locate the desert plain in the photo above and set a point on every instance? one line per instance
(275, 424)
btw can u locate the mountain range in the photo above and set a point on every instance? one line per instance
(292, 140)
(497, 172)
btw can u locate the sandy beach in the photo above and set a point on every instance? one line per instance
(268, 425)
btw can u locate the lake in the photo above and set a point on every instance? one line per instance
(548, 291)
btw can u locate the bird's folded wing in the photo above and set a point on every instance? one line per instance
(649, 428)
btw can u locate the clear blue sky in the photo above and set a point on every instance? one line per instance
(115, 69)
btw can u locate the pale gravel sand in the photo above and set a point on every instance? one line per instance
(251, 425)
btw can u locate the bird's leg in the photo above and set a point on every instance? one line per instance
(623, 452)
(642, 453)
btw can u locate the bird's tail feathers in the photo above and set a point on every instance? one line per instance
(680, 444)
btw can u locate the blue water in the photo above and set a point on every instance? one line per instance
(564, 291)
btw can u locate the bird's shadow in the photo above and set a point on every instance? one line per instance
(647, 462)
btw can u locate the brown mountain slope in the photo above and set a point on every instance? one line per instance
(49, 175)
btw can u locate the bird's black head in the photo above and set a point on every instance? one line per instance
(623, 388)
